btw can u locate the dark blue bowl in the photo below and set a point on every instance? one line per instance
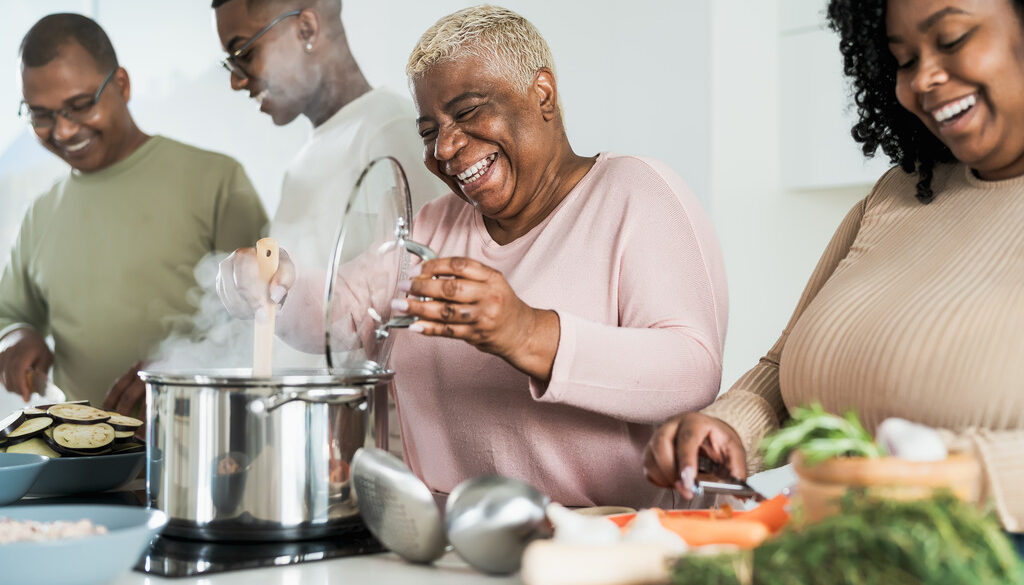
(66, 476)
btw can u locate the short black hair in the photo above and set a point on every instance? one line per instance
(43, 41)
(218, 3)
(883, 123)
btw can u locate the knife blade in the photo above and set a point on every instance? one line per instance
(729, 484)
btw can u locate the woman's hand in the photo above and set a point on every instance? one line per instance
(670, 459)
(241, 289)
(475, 303)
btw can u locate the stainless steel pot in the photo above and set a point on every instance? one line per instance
(232, 457)
(238, 458)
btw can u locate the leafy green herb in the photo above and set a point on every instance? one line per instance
(819, 436)
(935, 541)
(724, 568)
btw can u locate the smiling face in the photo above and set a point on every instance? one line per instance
(961, 72)
(281, 76)
(104, 135)
(487, 138)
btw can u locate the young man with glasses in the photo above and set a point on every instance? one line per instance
(293, 58)
(105, 259)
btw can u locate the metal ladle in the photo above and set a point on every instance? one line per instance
(491, 519)
(396, 506)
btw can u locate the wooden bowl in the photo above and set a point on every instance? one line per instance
(821, 485)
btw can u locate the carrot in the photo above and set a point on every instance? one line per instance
(772, 513)
(703, 531)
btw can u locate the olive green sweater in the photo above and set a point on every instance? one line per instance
(104, 260)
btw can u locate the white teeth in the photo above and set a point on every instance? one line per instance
(477, 170)
(950, 110)
(76, 147)
(261, 96)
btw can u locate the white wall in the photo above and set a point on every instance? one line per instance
(611, 61)
(772, 237)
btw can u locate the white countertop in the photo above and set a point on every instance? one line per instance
(377, 569)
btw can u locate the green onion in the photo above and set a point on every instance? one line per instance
(819, 435)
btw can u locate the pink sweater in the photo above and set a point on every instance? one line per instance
(631, 264)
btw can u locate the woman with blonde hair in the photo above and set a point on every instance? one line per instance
(583, 298)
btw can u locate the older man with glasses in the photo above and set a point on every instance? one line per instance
(80, 269)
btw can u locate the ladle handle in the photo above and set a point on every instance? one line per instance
(267, 259)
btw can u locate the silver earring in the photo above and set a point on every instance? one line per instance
(309, 46)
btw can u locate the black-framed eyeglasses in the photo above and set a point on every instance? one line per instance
(231, 61)
(77, 111)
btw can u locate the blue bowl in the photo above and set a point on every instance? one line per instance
(18, 471)
(65, 476)
(90, 560)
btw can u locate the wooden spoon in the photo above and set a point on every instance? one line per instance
(263, 339)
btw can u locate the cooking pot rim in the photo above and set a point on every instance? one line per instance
(242, 377)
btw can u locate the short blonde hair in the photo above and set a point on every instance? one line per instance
(503, 38)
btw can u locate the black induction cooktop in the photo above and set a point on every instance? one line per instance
(178, 557)
(175, 557)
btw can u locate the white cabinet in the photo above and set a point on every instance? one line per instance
(816, 111)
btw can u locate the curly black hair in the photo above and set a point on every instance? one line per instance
(872, 69)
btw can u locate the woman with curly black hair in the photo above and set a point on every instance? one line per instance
(916, 309)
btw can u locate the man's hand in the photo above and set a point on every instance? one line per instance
(240, 287)
(127, 393)
(23, 354)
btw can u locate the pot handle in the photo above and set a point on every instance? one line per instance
(312, 396)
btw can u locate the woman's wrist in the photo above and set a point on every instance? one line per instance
(536, 355)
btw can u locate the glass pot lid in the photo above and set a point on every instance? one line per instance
(371, 255)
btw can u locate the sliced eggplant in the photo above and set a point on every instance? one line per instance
(78, 414)
(83, 439)
(121, 422)
(10, 423)
(33, 412)
(123, 436)
(73, 453)
(29, 429)
(129, 447)
(47, 406)
(36, 446)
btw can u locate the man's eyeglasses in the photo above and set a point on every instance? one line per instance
(231, 61)
(77, 111)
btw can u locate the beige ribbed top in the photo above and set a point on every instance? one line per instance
(914, 311)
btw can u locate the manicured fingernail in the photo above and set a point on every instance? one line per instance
(415, 271)
(277, 293)
(261, 315)
(687, 494)
(404, 285)
(416, 327)
(399, 305)
(688, 475)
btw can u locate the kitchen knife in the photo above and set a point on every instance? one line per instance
(729, 484)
